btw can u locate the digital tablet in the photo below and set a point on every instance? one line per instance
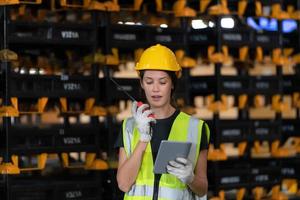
(170, 150)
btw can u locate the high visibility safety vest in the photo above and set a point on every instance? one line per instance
(185, 128)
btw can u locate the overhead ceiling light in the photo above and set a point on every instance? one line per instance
(129, 23)
(198, 24)
(163, 26)
(33, 71)
(120, 22)
(227, 22)
(211, 24)
(22, 71)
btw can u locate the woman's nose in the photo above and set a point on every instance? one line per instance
(155, 87)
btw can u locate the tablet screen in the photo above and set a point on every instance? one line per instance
(170, 150)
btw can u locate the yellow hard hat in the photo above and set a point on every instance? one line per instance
(159, 57)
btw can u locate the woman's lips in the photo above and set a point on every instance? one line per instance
(156, 97)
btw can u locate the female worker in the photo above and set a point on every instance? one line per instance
(141, 135)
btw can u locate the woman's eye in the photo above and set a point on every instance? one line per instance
(149, 82)
(163, 83)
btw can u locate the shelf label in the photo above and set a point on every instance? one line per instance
(287, 83)
(232, 37)
(163, 38)
(127, 37)
(73, 194)
(263, 85)
(72, 140)
(198, 38)
(64, 77)
(263, 38)
(231, 132)
(200, 85)
(288, 171)
(72, 86)
(261, 178)
(230, 180)
(69, 34)
(125, 87)
(288, 128)
(261, 131)
(232, 84)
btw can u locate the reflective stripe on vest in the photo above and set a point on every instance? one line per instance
(184, 128)
(164, 192)
(128, 126)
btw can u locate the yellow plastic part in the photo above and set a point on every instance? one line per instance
(137, 54)
(220, 197)
(219, 9)
(217, 106)
(203, 5)
(158, 57)
(112, 6)
(240, 194)
(296, 58)
(242, 5)
(276, 194)
(89, 103)
(42, 104)
(258, 8)
(290, 186)
(258, 193)
(30, 2)
(64, 104)
(114, 58)
(278, 13)
(98, 164)
(66, 163)
(92, 110)
(41, 158)
(290, 148)
(259, 54)
(295, 15)
(8, 111)
(278, 58)
(183, 60)
(216, 154)
(260, 150)
(91, 163)
(8, 2)
(8, 55)
(242, 101)
(279, 105)
(94, 5)
(290, 9)
(243, 52)
(159, 6)
(64, 3)
(181, 10)
(242, 148)
(217, 57)
(288, 51)
(97, 111)
(9, 168)
(296, 99)
(137, 5)
(259, 101)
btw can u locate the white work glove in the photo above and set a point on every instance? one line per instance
(143, 120)
(181, 168)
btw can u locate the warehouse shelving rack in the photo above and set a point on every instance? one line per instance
(55, 139)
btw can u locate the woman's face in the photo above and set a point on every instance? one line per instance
(157, 86)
